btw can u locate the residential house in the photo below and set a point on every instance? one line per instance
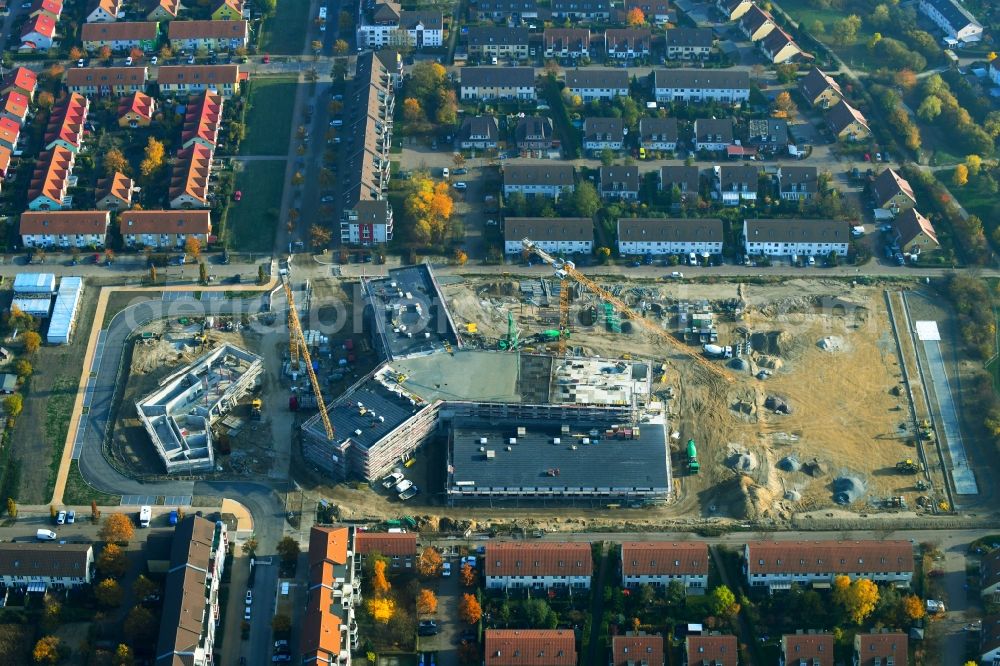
(701, 85)
(479, 132)
(757, 24)
(892, 192)
(659, 563)
(329, 630)
(989, 640)
(491, 83)
(136, 110)
(736, 183)
(51, 179)
(769, 135)
(711, 650)
(103, 11)
(530, 647)
(398, 548)
(208, 35)
(51, 8)
(658, 133)
(806, 649)
(779, 47)
(509, 11)
(914, 234)
(685, 178)
(734, 9)
(538, 565)
(797, 182)
(6, 154)
(38, 33)
(104, 81)
(887, 648)
(535, 133)
(424, 28)
(491, 42)
(654, 11)
(603, 133)
(166, 229)
(847, 123)
(122, 36)
(22, 80)
(713, 133)
(163, 10)
(550, 180)
(634, 648)
(779, 565)
(783, 238)
(689, 43)
(557, 235)
(627, 43)
(195, 79)
(189, 177)
(66, 123)
(115, 193)
(619, 182)
(64, 229)
(10, 132)
(202, 120)
(385, 22)
(229, 10)
(957, 22)
(566, 43)
(367, 222)
(596, 83)
(652, 562)
(14, 106)
(581, 10)
(820, 89)
(989, 577)
(35, 567)
(190, 614)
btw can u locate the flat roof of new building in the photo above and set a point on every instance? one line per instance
(535, 460)
(35, 283)
(410, 313)
(466, 375)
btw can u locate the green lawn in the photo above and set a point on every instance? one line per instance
(856, 54)
(269, 117)
(973, 196)
(283, 33)
(80, 493)
(251, 222)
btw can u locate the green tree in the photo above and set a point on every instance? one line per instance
(140, 626)
(261, 275)
(288, 550)
(846, 29)
(143, 587)
(607, 157)
(11, 507)
(13, 404)
(267, 7)
(281, 624)
(584, 201)
(203, 273)
(23, 369)
(724, 602)
(112, 563)
(51, 615)
(930, 108)
(109, 593)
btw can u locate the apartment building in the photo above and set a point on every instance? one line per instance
(329, 630)
(550, 180)
(164, 229)
(787, 237)
(581, 10)
(491, 83)
(627, 43)
(514, 565)
(189, 177)
(777, 565)
(115, 193)
(701, 85)
(104, 81)
(658, 133)
(51, 179)
(386, 24)
(658, 236)
(957, 22)
(209, 35)
(184, 80)
(190, 615)
(120, 36)
(566, 43)
(594, 83)
(508, 11)
(399, 548)
(689, 43)
(64, 229)
(659, 563)
(498, 42)
(36, 567)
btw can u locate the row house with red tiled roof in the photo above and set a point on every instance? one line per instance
(202, 120)
(711, 650)
(779, 565)
(530, 647)
(222, 35)
(51, 8)
(399, 548)
(163, 10)
(115, 193)
(103, 11)
(38, 33)
(22, 80)
(329, 630)
(10, 132)
(637, 648)
(50, 181)
(189, 177)
(14, 105)
(659, 563)
(164, 228)
(884, 648)
(806, 649)
(228, 10)
(64, 228)
(187, 80)
(103, 81)
(544, 565)
(136, 110)
(121, 36)
(66, 123)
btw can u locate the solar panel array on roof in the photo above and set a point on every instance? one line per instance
(66, 308)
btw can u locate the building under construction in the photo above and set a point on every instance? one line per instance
(430, 386)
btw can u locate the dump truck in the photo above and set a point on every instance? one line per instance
(692, 454)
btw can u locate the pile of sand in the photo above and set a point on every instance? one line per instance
(790, 463)
(742, 461)
(848, 489)
(831, 343)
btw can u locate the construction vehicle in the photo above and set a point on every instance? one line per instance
(908, 466)
(297, 344)
(255, 409)
(692, 452)
(512, 340)
(566, 269)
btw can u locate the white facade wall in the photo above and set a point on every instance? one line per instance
(970, 32)
(710, 145)
(728, 95)
(552, 247)
(350, 232)
(784, 580)
(690, 581)
(546, 582)
(63, 240)
(593, 144)
(590, 94)
(377, 36)
(545, 190)
(668, 247)
(510, 92)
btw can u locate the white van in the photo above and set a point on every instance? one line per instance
(812, 261)
(45, 535)
(145, 514)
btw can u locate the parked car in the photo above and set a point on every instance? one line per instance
(71, 517)
(391, 480)
(61, 518)
(46, 535)
(461, 186)
(409, 493)
(446, 569)
(249, 599)
(427, 628)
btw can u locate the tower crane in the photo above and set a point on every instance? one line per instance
(566, 269)
(563, 315)
(298, 339)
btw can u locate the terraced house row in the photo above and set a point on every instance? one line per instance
(146, 35)
(180, 80)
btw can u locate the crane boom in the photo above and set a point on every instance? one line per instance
(299, 339)
(567, 269)
(563, 315)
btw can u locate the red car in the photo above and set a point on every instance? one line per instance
(868, 157)
(267, 59)
(237, 195)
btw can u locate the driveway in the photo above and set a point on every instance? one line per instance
(445, 643)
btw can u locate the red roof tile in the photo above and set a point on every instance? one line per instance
(869, 647)
(637, 649)
(65, 222)
(657, 558)
(530, 647)
(835, 557)
(538, 559)
(813, 648)
(198, 222)
(712, 651)
(385, 543)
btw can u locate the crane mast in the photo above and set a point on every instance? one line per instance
(566, 269)
(298, 339)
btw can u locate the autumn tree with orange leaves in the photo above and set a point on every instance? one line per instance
(429, 207)
(635, 17)
(380, 584)
(468, 575)
(427, 602)
(469, 609)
